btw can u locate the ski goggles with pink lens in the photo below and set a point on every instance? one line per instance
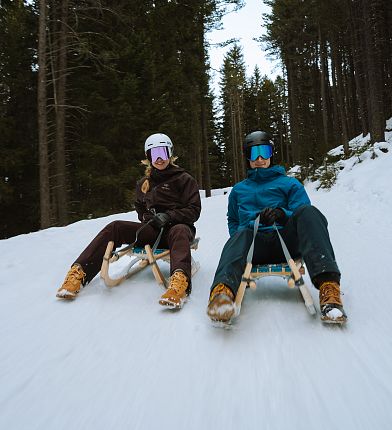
(162, 152)
(263, 151)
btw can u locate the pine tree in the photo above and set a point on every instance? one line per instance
(233, 84)
(19, 193)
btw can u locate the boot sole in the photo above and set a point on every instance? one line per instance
(171, 305)
(220, 309)
(222, 318)
(66, 295)
(340, 320)
(337, 311)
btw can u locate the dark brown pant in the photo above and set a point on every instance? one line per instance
(177, 238)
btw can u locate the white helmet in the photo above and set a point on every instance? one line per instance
(158, 139)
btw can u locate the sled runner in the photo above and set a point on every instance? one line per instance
(292, 273)
(144, 256)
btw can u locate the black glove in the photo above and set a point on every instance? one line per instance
(160, 220)
(147, 216)
(270, 215)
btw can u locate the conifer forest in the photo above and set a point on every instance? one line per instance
(84, 82)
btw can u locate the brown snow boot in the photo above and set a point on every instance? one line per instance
(176, 293)
(72, 284)
(221, 304)
(331, 305)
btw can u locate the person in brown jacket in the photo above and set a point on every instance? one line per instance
(166, 197)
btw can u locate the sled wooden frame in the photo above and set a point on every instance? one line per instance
(284, 270)
(145, 257)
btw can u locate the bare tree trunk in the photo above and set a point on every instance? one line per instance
(337, 66)
(61, 183)
(323, 89)
(337, 129)
(285, 129)
(359, 75)
(197, 148)
(352, 105)
(240, 137)
(373, 43)
(42, 120)
(203, 107)
(206, 165)
(293, 112)
(388, 56)
(234, 139)
(196, 139)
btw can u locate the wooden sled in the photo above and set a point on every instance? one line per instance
(252, 273)
(145, 257)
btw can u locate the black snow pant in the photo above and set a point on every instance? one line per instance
(177, 238)
(305, 234)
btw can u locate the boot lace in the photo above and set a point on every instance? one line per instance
(222, 289)
(178, 282)
(330, 294)
(75, 275)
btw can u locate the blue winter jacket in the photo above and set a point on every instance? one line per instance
(262, 189)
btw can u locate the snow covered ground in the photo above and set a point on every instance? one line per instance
(114, 359)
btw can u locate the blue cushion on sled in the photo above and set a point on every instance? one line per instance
(271, 268)
(141, 250)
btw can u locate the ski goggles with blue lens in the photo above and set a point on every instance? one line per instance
(162, 152)
(263, 151)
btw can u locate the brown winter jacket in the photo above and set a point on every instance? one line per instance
(173, 191)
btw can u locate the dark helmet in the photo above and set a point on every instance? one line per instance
(257, 138)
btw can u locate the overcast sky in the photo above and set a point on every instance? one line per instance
(244, 25)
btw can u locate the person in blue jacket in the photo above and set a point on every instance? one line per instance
(283, 201)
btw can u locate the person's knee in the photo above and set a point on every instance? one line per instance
(310, 214)
(111, 226)
(180, 230)
(117, 229)
(308, 211)
(244, 233)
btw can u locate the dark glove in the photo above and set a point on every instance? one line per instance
(270, 215)
(147, 216)
(160, 220)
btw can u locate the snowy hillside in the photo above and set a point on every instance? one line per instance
(114, 359)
